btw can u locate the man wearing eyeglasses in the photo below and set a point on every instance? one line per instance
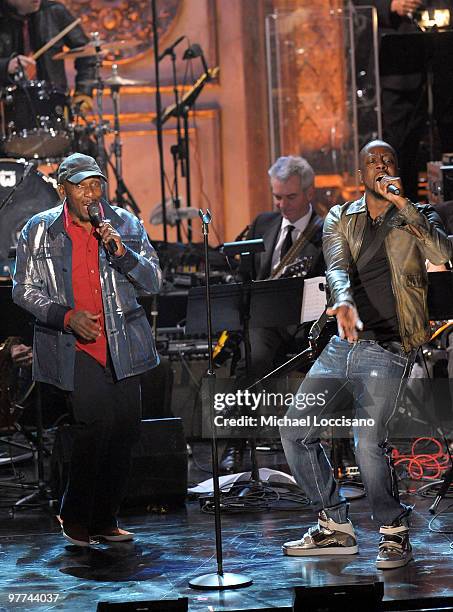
(92, 339)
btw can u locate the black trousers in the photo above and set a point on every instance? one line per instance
(106, 414)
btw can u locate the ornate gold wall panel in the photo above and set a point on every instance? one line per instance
(313, 74)
(124, 19)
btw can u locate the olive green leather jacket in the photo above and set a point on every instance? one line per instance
(416, 234)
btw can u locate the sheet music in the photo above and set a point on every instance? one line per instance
(314, 299)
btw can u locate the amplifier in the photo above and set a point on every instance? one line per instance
(440, 182)
(159, 464)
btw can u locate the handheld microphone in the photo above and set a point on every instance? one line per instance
(96, 218)
(390, 188)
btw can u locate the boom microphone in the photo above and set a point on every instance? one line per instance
(96, 218)
(390, 188)
(169, 50)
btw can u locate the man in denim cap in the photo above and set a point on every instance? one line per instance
(79, 275)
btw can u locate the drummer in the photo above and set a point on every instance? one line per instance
(25, 26)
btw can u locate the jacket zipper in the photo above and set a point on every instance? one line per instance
(395, 295)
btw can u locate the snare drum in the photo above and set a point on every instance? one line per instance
(35, 121)
(37, 193)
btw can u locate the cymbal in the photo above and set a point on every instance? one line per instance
(115, 80)
(88, 50)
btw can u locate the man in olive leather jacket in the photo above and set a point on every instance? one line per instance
(380, 302)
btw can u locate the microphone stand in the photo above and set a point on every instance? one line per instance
(218, 580)
(16, 186)
(178, 150)
(160, 144)
(101, 127)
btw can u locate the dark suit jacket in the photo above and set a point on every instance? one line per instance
(267, 226)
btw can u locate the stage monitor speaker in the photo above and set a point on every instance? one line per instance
(350, 597)
(159, 464)
(164, 605)
(273, 609)
(156, 386)
(418, 605)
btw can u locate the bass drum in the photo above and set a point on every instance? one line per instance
(38, 192)
(36, 120)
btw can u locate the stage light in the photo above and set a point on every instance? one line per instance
(439, 18)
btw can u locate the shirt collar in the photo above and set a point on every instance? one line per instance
(301, 223)
(68, 220)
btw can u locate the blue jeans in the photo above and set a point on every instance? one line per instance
(370, 378)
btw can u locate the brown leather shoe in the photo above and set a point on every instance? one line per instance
(114, 534)
(76, 534)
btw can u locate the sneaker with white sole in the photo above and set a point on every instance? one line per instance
(395, 550)
(327, 538)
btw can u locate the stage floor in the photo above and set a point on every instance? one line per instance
(171, 549)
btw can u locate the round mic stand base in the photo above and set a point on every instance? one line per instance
(220, 582)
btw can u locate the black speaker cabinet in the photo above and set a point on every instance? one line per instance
(159, 464)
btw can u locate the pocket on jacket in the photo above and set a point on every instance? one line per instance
(415, 280)
(46, 360)
(139, 338)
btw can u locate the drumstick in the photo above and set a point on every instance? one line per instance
(55, 39)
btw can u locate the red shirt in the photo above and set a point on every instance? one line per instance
(86, 283)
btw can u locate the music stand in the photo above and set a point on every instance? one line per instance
(240, 306)
(17, 322)
(414, 52)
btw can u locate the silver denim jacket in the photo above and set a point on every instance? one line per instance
(42, 285)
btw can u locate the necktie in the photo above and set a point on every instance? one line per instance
(31, 71)
(288, 242)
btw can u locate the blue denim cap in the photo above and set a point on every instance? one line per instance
(77, 167)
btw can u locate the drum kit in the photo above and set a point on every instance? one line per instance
(40, 125)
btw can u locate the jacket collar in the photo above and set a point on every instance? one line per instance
(358, 206)
(57, 225)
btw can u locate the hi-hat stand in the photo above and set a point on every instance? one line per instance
(123, 196)
(217, 580)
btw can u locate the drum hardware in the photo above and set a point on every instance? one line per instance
(96, 44)
(35, 114)
(36, 119)
(96, 47)
(115, 80)
(117, 145)
(10, 181)
(13, 319)
(21, 200)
